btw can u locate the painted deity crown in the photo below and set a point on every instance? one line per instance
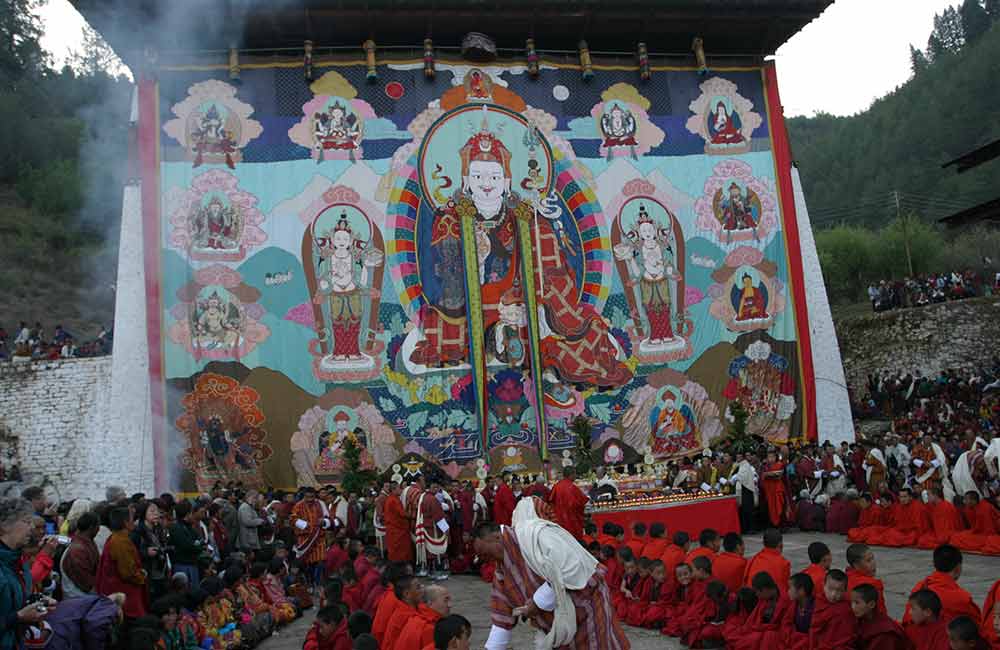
(643, 216)
(343, 224)
(341, 416)
(485, 146)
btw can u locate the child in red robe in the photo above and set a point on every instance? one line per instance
(876, 631)
(676, 552)
(730, 566)
(800, 592)
(657, 543)
(926, 630)
(955, 601)
(770, 621)
(821, 560)
(743, 605)
(708, 545)
(615, 569)
(963, 634)
(639, 601)
(638, 541)
(861, 570)
(834, 626)
(693, 610)
(589, 533)
(709, 633)
(629, 581)
(771, 561)
(991, 616)
(661, 596)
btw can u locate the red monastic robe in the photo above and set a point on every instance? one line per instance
(909, 523)
(638, 546)
(774, 491)
(503, 505)
(855, 578)
(818, 575)
(689, 615)
(767, 626)
(655, 548)
(673, 556)
(568, 501)
(955, 601)
(662, 597)
(833, 626)
(398, 541)
(881, 633)
(729, 569)
(772, 562)
(945, 522)
(638, 605)
(701, 551)
(988, 629)
(984, 524)
(871, 522)
(383, 613)
(929, 636)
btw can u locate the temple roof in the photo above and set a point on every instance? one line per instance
(745, 28)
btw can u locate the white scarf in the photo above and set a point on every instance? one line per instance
(962, 476)
(993, 457)
(877, 453)
(745, 476)
(555, 556)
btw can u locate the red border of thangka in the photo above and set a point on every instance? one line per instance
(782, 151)
(149, 163)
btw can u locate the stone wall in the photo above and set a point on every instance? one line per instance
(959, 335)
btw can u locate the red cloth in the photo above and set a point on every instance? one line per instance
(818, 575)
(419, 630)
(945, 522)
(568, 501)
(842, 516)
(655, 547)
(772, 562)
(638, 547)
(984, 523)
(701, 551)
(673, 556)
(384, 612)
(989, 610)
(833, 626)
(909, 523)
(661, 599)
(855, 578)
(339, 640)
(871, 518)
(955, 601)
(640, 602)
(41, 567)
(400, 617)
(351, 596)
(367, 585)
(692, 517)
(623, 595)
(503, 506)
(614, 575)
(336, 558)
(689, 615)
(729, 569)
(362, 565)
(881, 633)
(398, 541)
(929, 636)
(121, 571)
(773, 485)
(373, 598)
(765, 628)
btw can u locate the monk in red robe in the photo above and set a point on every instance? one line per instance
(641, 592)
(990, 629)
(984, 524)
(872, 521)
(955, 601)
(398, 541)
(910, 521)
(772, 475)
(568, 502)
(770, 621)
(770, 561)
(833, 624)
(821, 559)
(637, 542)
(503, 503)
(409, 592)
(657, 543)
(861, 569)
(709, 543)
(689, 616)
(676, 552)
(661, 596)
(730, 566)
(926, 630)
(388, 604)
(876, 631)
(945, 520)
(627, 585)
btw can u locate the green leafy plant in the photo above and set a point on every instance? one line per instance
(355, 479)
(583, 454)
(739, 441)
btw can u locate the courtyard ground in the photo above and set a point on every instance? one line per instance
(899, 569)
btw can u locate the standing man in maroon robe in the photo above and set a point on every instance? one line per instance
(568, 502)
(503, 502)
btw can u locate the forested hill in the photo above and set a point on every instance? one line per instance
(850, 166)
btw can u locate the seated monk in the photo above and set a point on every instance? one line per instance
(661, 595)
(628, 583)
(984, 525)
(770, 620)
(678, 591)
(963, 634)
(876, 631)
(872, 521)
(637, 543)
(821, 559)
(730, 566)
(742, 607)
(713, 616)
(945, 520)
(861, 569)
(615, 569)
(688, 615)
(955, 601)
(639, 601)
(833, 624)
(909, 522)
(657, 543)
(708, 545)
(926, 630)
(800, 592)
(771, 561)
(991, 616)
(676, 552)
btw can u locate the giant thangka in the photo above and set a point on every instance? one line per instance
(459, 267)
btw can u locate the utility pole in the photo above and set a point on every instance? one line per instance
(904, 221)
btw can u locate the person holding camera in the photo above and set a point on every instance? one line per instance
(16, 609)
(150, 538)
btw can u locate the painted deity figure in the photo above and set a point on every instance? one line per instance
(649, 259)
(210, 136)
(618, 127)
(672, 430)
(580, 348)
(510, 336)
(345, 292)
(736, 211)
(749, 301)
(724, 126)
(336, 129)
(215, 226)
(216, 323)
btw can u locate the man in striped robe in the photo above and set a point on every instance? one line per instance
(543, 575)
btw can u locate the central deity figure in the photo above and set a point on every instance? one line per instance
(576, 342)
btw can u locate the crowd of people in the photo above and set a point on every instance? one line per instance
(925, 290)
(228, 568)
(33, 343)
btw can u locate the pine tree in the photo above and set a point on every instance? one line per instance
(95, 57)
(948, 28)
(993, 9)
(20, 54)
(975, 20)
(935, 49)
(918, 62)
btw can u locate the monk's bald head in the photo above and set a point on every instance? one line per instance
(437, 598)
